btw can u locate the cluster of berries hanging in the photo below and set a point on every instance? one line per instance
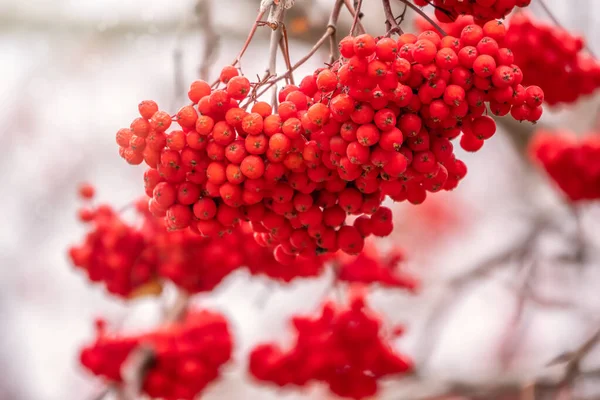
(343, 348)
(453, 28)
(553, 59)
(187, 356)
(113, 252)
(132, 259)
(572, 162)
(481, 10)
(379, 122)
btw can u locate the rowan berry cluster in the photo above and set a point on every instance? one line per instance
(187, 356)
(343, 348)
(134, 259)
(371, 267)
(553, 59)
(378, 122)
(481, 10)
(453, 28)
(571, 162)
(114, 252)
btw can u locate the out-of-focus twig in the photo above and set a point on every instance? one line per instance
(357, 14)
(211, 36)
(391, 25)
(454, 286)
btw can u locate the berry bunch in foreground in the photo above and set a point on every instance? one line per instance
(187, 356)
(378, 122)
(573, 163)
(553, 59)
(481, 10)
(343, 348)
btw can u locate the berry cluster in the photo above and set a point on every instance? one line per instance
(453, 28)
(133, 259)
(342, 347)
(553, 59)
(187, 355)
(481, 10)
(574, 164)
(114, 252)
(378, 122)
(370, 267)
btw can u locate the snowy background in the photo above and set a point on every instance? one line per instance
(73, 72)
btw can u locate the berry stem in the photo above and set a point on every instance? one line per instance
(355, 14)
(356, 17)
(285, 50)
(276, 17)
(556, 22)
(211, 37)
(390, 21)
(424, 15)
(331, 29)
(255, 26)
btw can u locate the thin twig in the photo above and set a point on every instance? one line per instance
(331, 29)
(275, 17)
(356, 17)
(556, 22)
(390, 21)
(424, 15)
(285, 50)
(255, 26)
(211, 37)
(354, 14)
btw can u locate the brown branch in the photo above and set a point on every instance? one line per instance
(391, 25)
(255, 26)
(356, 17)
(331, 29)
(285, 50)
(424, 15)
(211, 37)
(354, 14)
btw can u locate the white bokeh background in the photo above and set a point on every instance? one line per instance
(73, 72)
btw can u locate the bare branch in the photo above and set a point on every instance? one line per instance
(355, 14)
(356, 17)
(211, 37)
(391, 25)
(285, 50)
(331, 29)
(275, 17)
(424, 15)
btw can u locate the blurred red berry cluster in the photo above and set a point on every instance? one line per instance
(343, 348)
(481, 10)
(187, 356)
(572, 163)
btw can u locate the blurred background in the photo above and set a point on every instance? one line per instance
(502, 293)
